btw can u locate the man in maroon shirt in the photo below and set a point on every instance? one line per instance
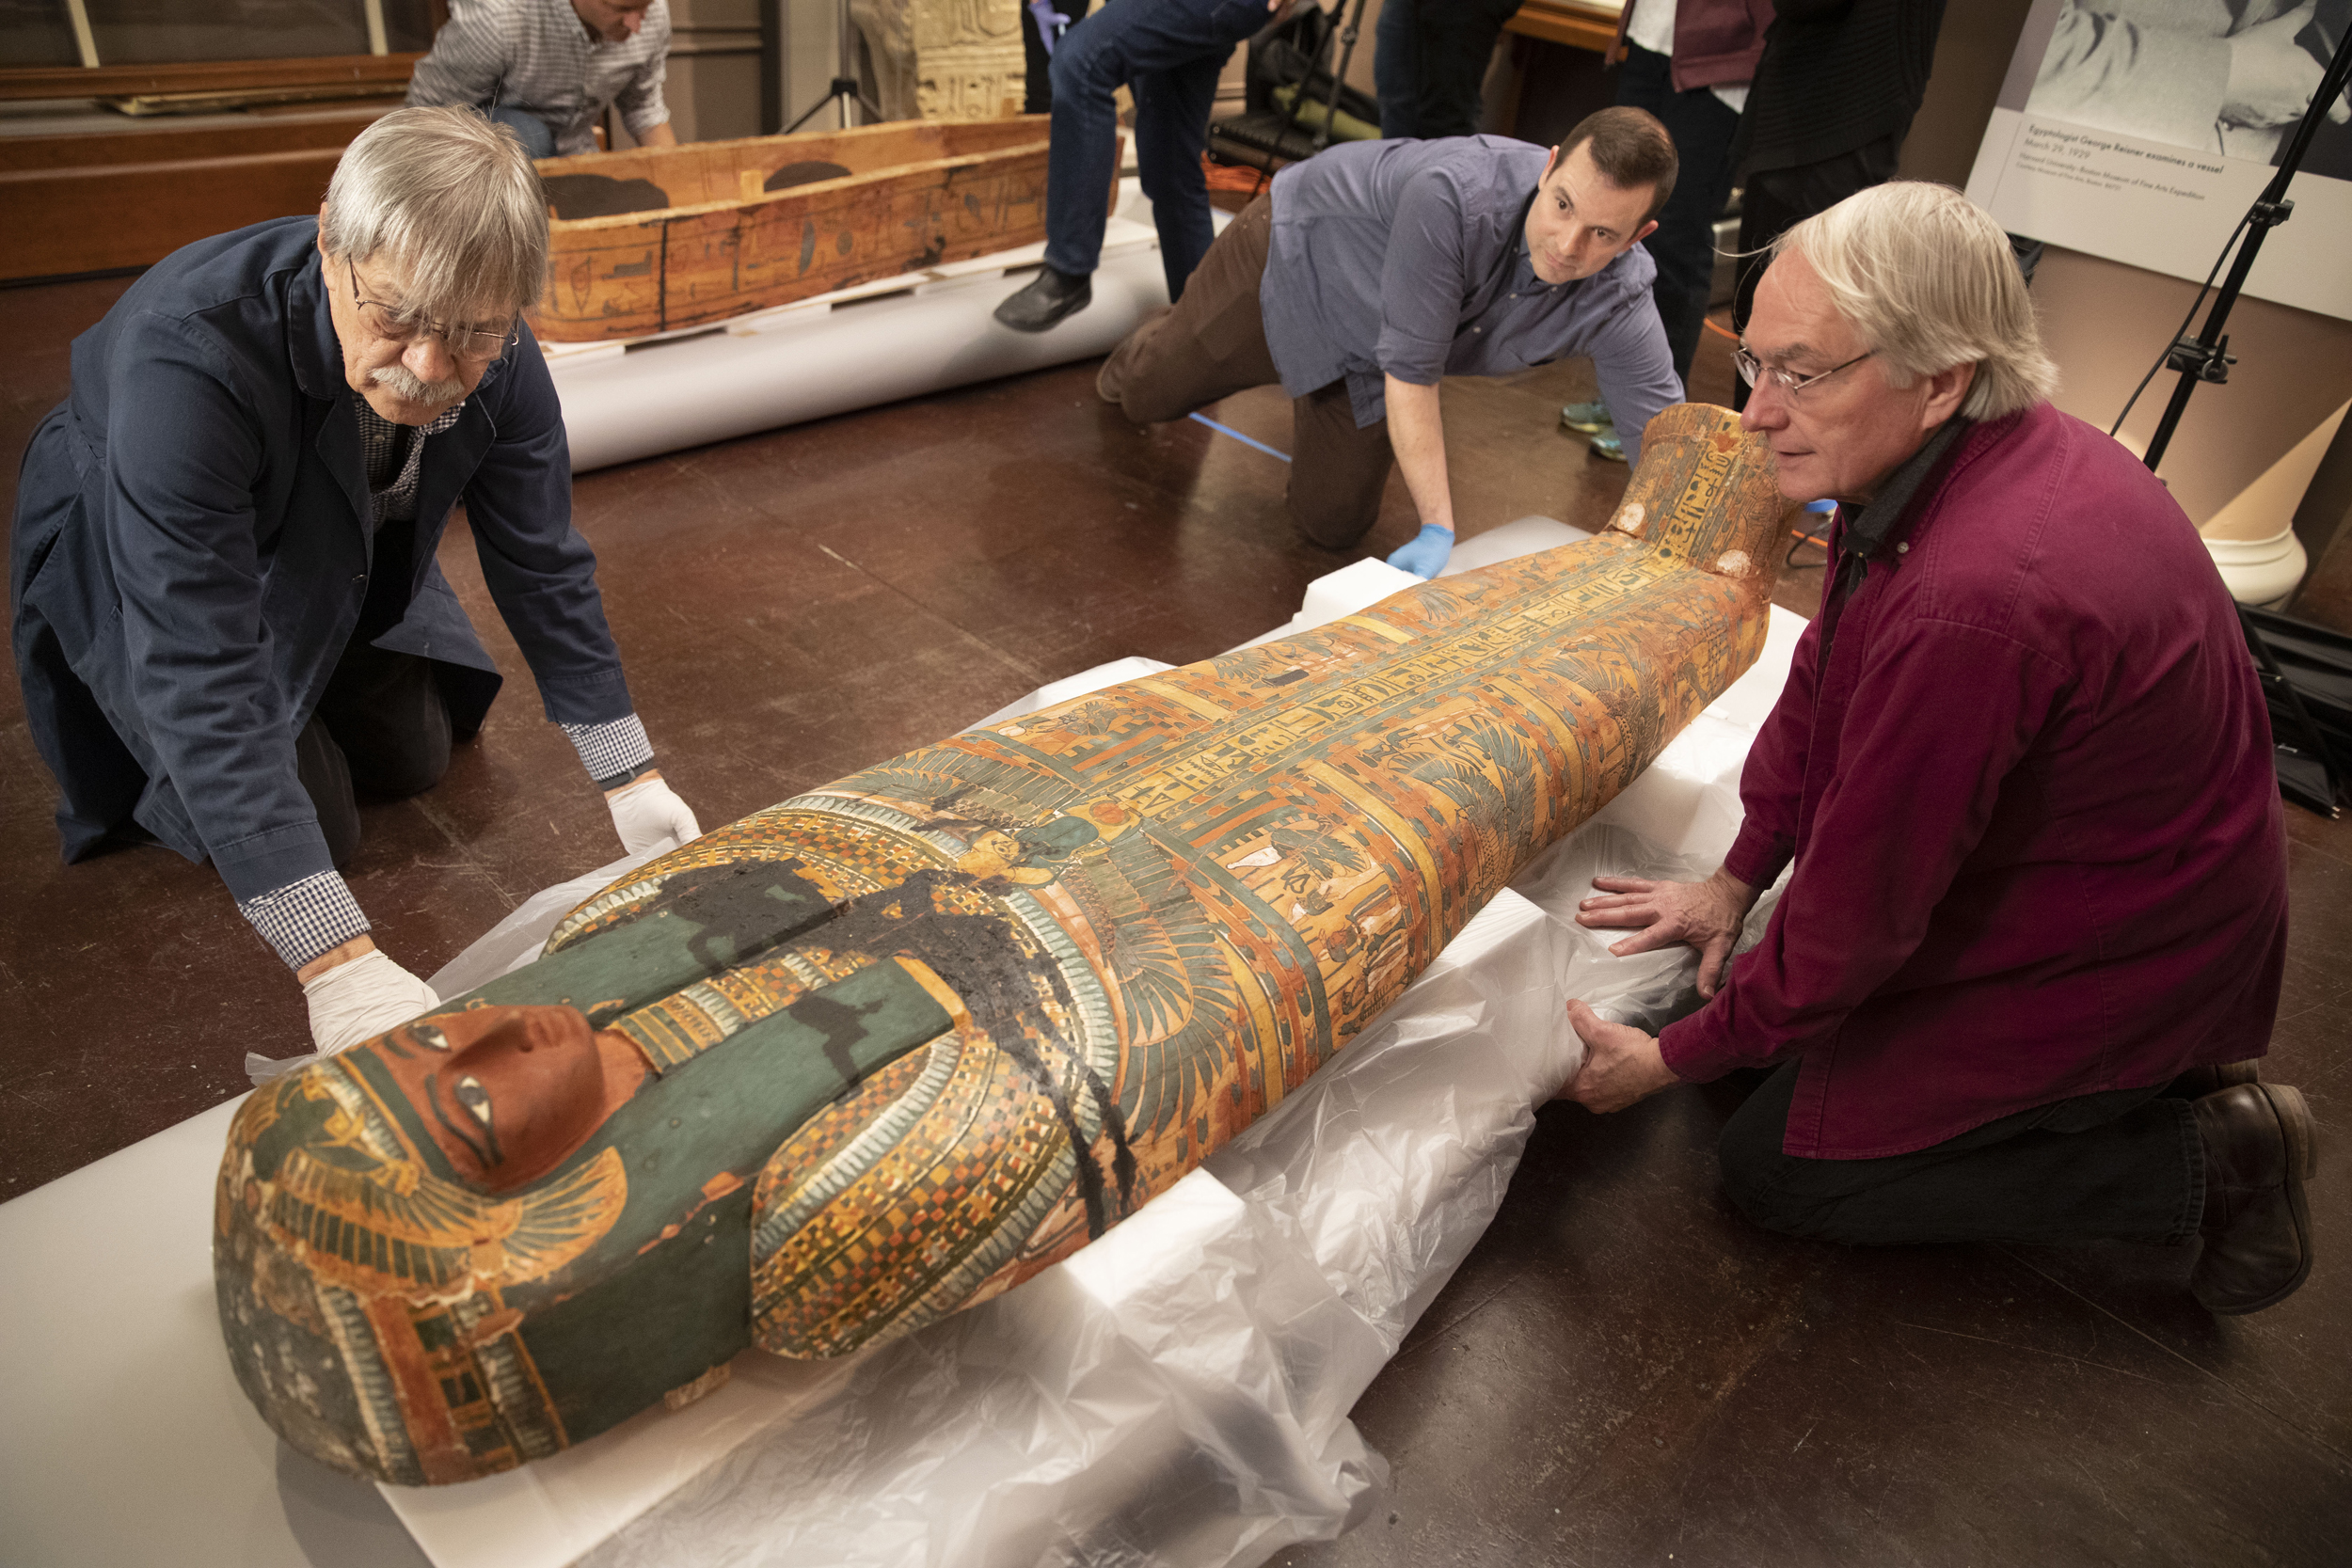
(2037, 917)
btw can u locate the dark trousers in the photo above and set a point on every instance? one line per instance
(1213, 344)
(381, 728)
(2121, 1166)
(1168, 53)
(1429, 63)
(1775, 201)
(1702, 126)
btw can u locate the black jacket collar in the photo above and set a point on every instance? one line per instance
(1869, 528)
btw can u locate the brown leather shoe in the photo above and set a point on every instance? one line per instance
(2261, 1146)
(2198, 1082)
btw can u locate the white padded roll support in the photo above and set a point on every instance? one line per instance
(678, 392)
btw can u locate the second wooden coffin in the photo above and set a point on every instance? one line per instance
(659, 239)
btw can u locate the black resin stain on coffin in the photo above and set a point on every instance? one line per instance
(982, 963)
(807, 172)
(599, 196)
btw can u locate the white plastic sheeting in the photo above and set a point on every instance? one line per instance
(1129, 669)
(1177, 1392)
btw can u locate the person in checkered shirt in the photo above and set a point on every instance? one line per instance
(551, 68)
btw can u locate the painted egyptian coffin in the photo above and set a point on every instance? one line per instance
(887, 1049)
(660, 237)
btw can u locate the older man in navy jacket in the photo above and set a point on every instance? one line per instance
(226, 608)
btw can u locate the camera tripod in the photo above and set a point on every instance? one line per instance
(2206, 357)
(844, 89)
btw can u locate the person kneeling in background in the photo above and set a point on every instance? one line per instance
(1370, 271)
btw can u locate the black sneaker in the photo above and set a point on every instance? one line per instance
(1050, 297)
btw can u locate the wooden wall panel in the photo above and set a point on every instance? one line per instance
(25, 82)
(135, 214)
(129, 198)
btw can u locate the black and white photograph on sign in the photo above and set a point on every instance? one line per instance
(2226, 76)
(2143, 130)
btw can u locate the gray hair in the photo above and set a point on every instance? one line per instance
(1930, 282)
(451, 201)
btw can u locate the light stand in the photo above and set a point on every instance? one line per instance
(1331, 101)
(2206, 357)
(1277, 144)
(844, 89)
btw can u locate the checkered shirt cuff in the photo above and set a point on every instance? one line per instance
(306, 918)
(611, 749)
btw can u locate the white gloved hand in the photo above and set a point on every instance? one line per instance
(649, 815)
(360, 999)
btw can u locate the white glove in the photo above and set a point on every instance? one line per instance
(649, 815)
(360, 999)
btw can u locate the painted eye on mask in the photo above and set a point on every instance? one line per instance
(508, 1092)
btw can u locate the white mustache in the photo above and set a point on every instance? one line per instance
(406, 384)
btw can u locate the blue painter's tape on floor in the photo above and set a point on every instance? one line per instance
(1245, 441)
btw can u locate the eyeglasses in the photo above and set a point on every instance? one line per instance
(1755, 371)
(398, 325)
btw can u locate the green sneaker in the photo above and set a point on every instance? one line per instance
(1607, 447)
(1589, 418)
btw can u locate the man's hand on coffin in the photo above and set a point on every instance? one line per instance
(1708, 916)
(1621, 1064)
(356, 994)
(649, 815)
(1425, 555)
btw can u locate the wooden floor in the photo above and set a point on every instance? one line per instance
(1624, 1370)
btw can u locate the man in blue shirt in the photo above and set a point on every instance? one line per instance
(227, 612)
(1372, 269)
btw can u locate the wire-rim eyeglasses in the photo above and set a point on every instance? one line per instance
(471, 344)
(1755, 371)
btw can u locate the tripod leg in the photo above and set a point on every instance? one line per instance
(1347, 54)
(810, 114)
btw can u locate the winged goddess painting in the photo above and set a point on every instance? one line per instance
(891, 1047)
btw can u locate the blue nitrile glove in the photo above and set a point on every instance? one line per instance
(1425, 556)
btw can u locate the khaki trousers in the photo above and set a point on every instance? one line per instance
(1212, 344)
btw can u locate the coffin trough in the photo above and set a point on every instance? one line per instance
(662, 239)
